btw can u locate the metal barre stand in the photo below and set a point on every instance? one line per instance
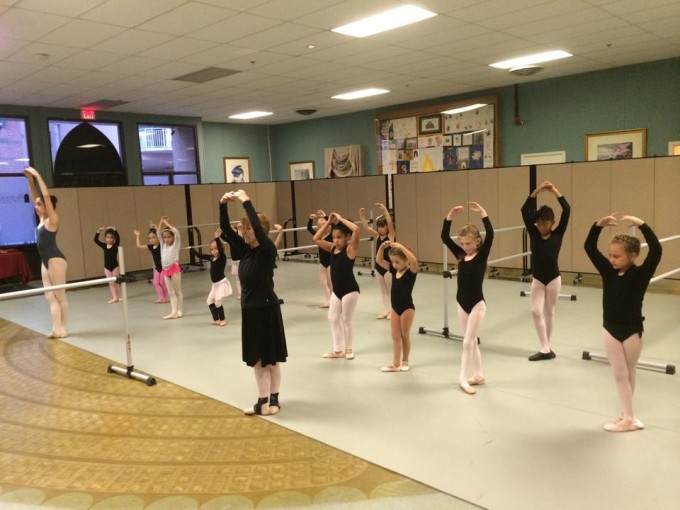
(647, 365)
(129, 370)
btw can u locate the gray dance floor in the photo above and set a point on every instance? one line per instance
(531, 438)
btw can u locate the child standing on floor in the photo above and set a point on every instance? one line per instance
(623, 289)
(472, 255)
(545, 250)
(154, 247)
(384, 232)
(345, 296)
(172, 272)
(111, 268)
(324, 256)
(221, 287)
(403, 266)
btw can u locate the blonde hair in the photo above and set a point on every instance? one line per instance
(264, 220)
(630, 244)
(472, 231)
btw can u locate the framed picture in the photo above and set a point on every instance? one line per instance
(301, 170)
(626, 144)
(411, 143)
(236, 170)
(428, 124)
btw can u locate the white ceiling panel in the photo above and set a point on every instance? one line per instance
(129, 13)
(187, 18)
(82, 34)
(132, 50)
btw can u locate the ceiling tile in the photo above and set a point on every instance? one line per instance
(178, 48)
(187, 18)
(235, 28)
(131, 42)
(81, 34)
(90, 60)
(129, 13)
(134, 65)
(71, 8)
(10, 46)
(28, 25)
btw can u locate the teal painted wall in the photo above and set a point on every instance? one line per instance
(556, 114)
(235, 140)
(305, 141)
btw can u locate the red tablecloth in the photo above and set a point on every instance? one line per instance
(14, 263)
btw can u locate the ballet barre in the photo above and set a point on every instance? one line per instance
(122, 279)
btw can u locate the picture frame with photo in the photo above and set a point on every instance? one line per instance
(301, 170)
(236, 169)
(429, 124)
(608, 145)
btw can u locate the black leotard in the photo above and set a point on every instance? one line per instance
(470, 272)
(110, 254)
(386, 254)
(217, 265)
(324, 256)
(545, 252)
(47, 246)
(342, 274)
(622, 295)
(156, 256)
(402, 290)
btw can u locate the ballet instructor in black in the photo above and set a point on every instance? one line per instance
(263, 338)
(623, 289)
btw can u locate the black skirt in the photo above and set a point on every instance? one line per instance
(262, 336)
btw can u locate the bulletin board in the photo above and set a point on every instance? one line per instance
(429, 140)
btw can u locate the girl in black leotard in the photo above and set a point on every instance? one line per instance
(545, 250)
(154, 248)
(384, 232)
(221, 287)
(623, 288)
(111, 268)
(53, 267)
(404, 268)
(345, 296)
(324, 256)
(472, 255)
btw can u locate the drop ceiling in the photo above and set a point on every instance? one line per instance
(70, 53)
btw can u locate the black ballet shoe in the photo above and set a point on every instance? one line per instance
(542, 355)
(274, 406)
(261, 408)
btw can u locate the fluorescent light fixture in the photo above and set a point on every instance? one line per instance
(250, 115)
(22, 160)
(358, 94)
(4, 163)
(385, 21)
(537, 58)
(90, 146)
(465, 108)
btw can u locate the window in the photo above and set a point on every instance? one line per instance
(17, 216)
(168, 154)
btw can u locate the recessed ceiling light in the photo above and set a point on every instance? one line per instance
(532, 59)
(385, 21)
(465, 108)
(311, 46)
(357, 94)
(250, 115)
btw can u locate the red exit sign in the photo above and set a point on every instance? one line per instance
(87, 114)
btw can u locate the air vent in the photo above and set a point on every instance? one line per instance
(207, 74)
(306, 111)
(527, 70)
(104, 104)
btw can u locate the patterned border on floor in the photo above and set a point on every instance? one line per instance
(74, 436)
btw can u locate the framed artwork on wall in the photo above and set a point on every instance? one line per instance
(301, 170)
(428, 124)
(236, 170)
(625, 144)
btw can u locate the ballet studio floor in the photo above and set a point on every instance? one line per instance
(531, 438)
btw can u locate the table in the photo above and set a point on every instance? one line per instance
(14, 263)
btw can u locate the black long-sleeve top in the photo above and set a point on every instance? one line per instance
(217, 265)
(324, 256)
(470, 272)
(545, 252)
(622, 294)
(110, 254)
(256, 267)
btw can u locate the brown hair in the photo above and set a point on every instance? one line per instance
(264, 220)
(472, 231)
(630, 244)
